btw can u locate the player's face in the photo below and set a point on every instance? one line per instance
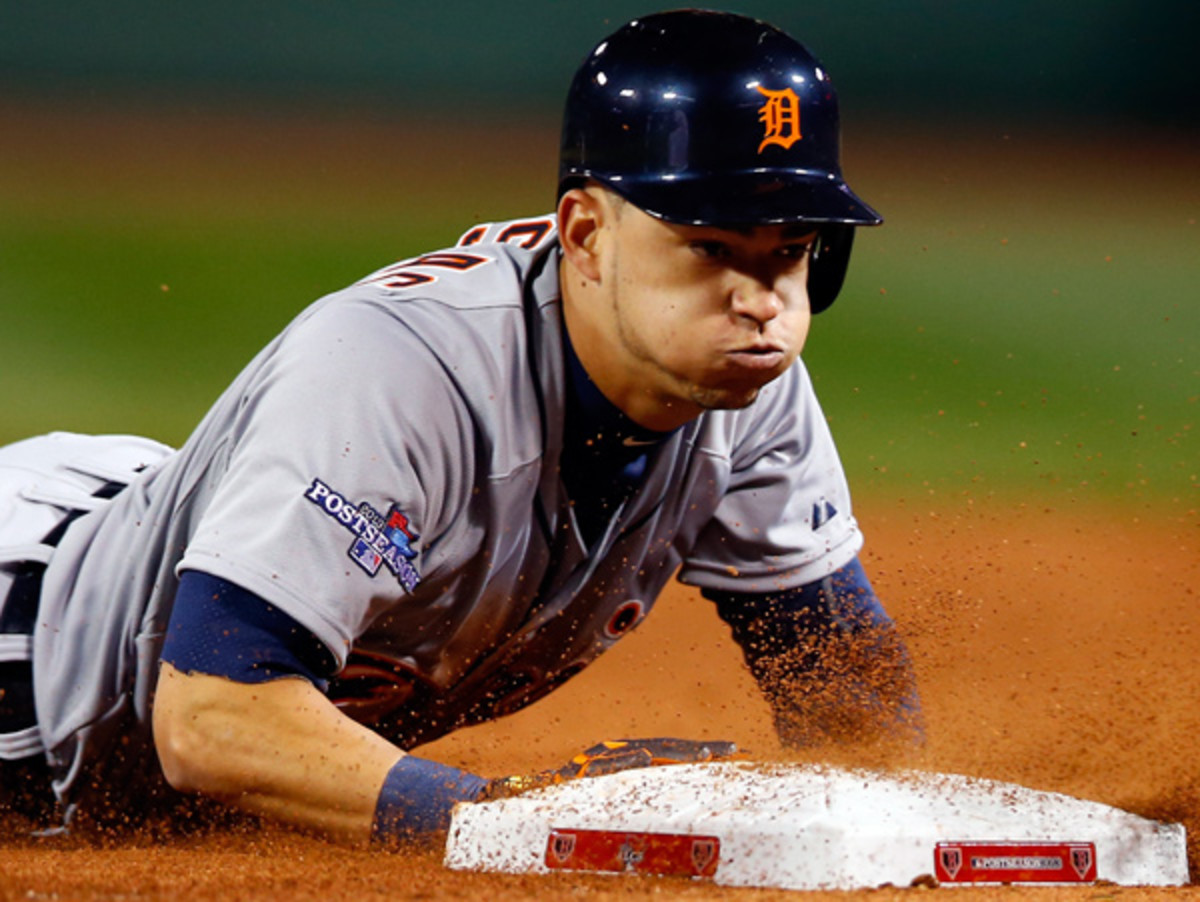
(702, 317)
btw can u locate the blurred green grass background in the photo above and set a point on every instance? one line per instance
(1025, 324)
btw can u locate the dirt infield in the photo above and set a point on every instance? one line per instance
(1058, 648)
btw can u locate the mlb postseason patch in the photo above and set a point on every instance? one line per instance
(380, 540)
(619, 851)
(1015, 862)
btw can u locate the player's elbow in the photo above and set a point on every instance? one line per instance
(179, 761)
(183, 757)
(189, 723)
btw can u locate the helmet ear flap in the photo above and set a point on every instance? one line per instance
(827, 266)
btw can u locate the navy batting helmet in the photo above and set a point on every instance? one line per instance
(709, 118)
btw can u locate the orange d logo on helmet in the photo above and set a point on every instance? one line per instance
(780, 116)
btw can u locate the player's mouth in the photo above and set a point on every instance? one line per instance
(758, 357)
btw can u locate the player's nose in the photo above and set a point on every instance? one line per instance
(756, 300)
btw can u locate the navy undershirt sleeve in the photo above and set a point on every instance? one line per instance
(221, 629)
(764, 623)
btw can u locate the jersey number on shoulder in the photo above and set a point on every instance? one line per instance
(407, 274)
(527, 233)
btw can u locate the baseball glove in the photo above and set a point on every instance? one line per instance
(609, 757)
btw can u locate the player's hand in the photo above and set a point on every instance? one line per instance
(612, 756)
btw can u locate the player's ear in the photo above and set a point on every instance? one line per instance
(582, 213)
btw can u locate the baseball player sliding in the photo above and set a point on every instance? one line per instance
(440, 493)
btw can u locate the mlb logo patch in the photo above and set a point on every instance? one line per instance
(366, 556)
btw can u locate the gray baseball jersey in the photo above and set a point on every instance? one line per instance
(386, 472)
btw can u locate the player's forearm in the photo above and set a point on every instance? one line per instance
(856, 689)
(277, 749)
(828, 658)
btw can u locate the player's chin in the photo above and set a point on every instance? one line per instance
(725, 398)
(734, 387)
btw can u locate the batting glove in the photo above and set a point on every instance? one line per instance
(612, 756)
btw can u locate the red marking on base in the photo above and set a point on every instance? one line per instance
(1015, 862)
(665, 854)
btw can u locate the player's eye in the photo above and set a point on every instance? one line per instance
(710, 250)
(797, 250)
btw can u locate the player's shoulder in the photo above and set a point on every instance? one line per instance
(488, 266)
(469, 304)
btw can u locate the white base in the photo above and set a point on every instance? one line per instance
(812, 827)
